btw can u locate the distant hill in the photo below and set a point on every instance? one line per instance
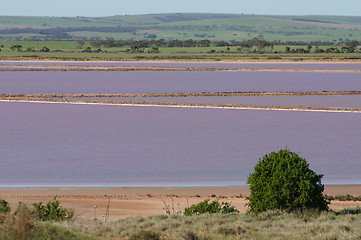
(183, 26)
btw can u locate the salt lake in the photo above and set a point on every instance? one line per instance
(90, 145)
(48, 144)
(173, 82)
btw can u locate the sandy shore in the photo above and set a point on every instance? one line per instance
(187, 105)
(56, 68)
(137, 201)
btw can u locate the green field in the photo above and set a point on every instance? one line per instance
(306, 37)
(71, 50)
(183, 26)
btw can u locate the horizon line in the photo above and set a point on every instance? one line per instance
(165, 13)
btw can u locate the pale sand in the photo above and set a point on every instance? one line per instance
(137, 201)
(186, 105)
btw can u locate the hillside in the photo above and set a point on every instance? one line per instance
(183, 26)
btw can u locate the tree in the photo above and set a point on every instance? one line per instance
(16, 47)
(260, 43)
(81, 43)
(350, 46)
(45, 49)
(283, 181)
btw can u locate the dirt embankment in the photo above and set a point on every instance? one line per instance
(318, 60)
(200, 94)
(56, 68)
(83, 99)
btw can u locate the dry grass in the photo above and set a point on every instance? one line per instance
(272, 225)
(269, 225)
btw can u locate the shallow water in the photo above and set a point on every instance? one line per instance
(91, 145)
(171, 82)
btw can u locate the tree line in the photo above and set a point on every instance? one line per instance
(258, 41)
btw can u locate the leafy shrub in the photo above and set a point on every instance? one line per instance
(52, 211)
(283, 181)
(213, 207)
(145, 235)
(4, 207)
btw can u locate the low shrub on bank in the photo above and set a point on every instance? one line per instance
(52, 211)
(4, 207)
(346, 197)
(210, 207)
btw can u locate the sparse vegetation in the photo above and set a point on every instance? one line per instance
(215, 225)
(145, 235)
(268, 225)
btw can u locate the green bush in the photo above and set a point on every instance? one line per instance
(4, 207)
(52, 211)
(283, 181)
(213, 207)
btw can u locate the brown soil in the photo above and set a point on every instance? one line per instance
(125, 202)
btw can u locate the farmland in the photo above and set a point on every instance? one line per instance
(180, 36)
(71, 50)
(183, 26)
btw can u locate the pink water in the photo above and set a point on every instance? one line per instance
(91, 145)
(168, 82)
